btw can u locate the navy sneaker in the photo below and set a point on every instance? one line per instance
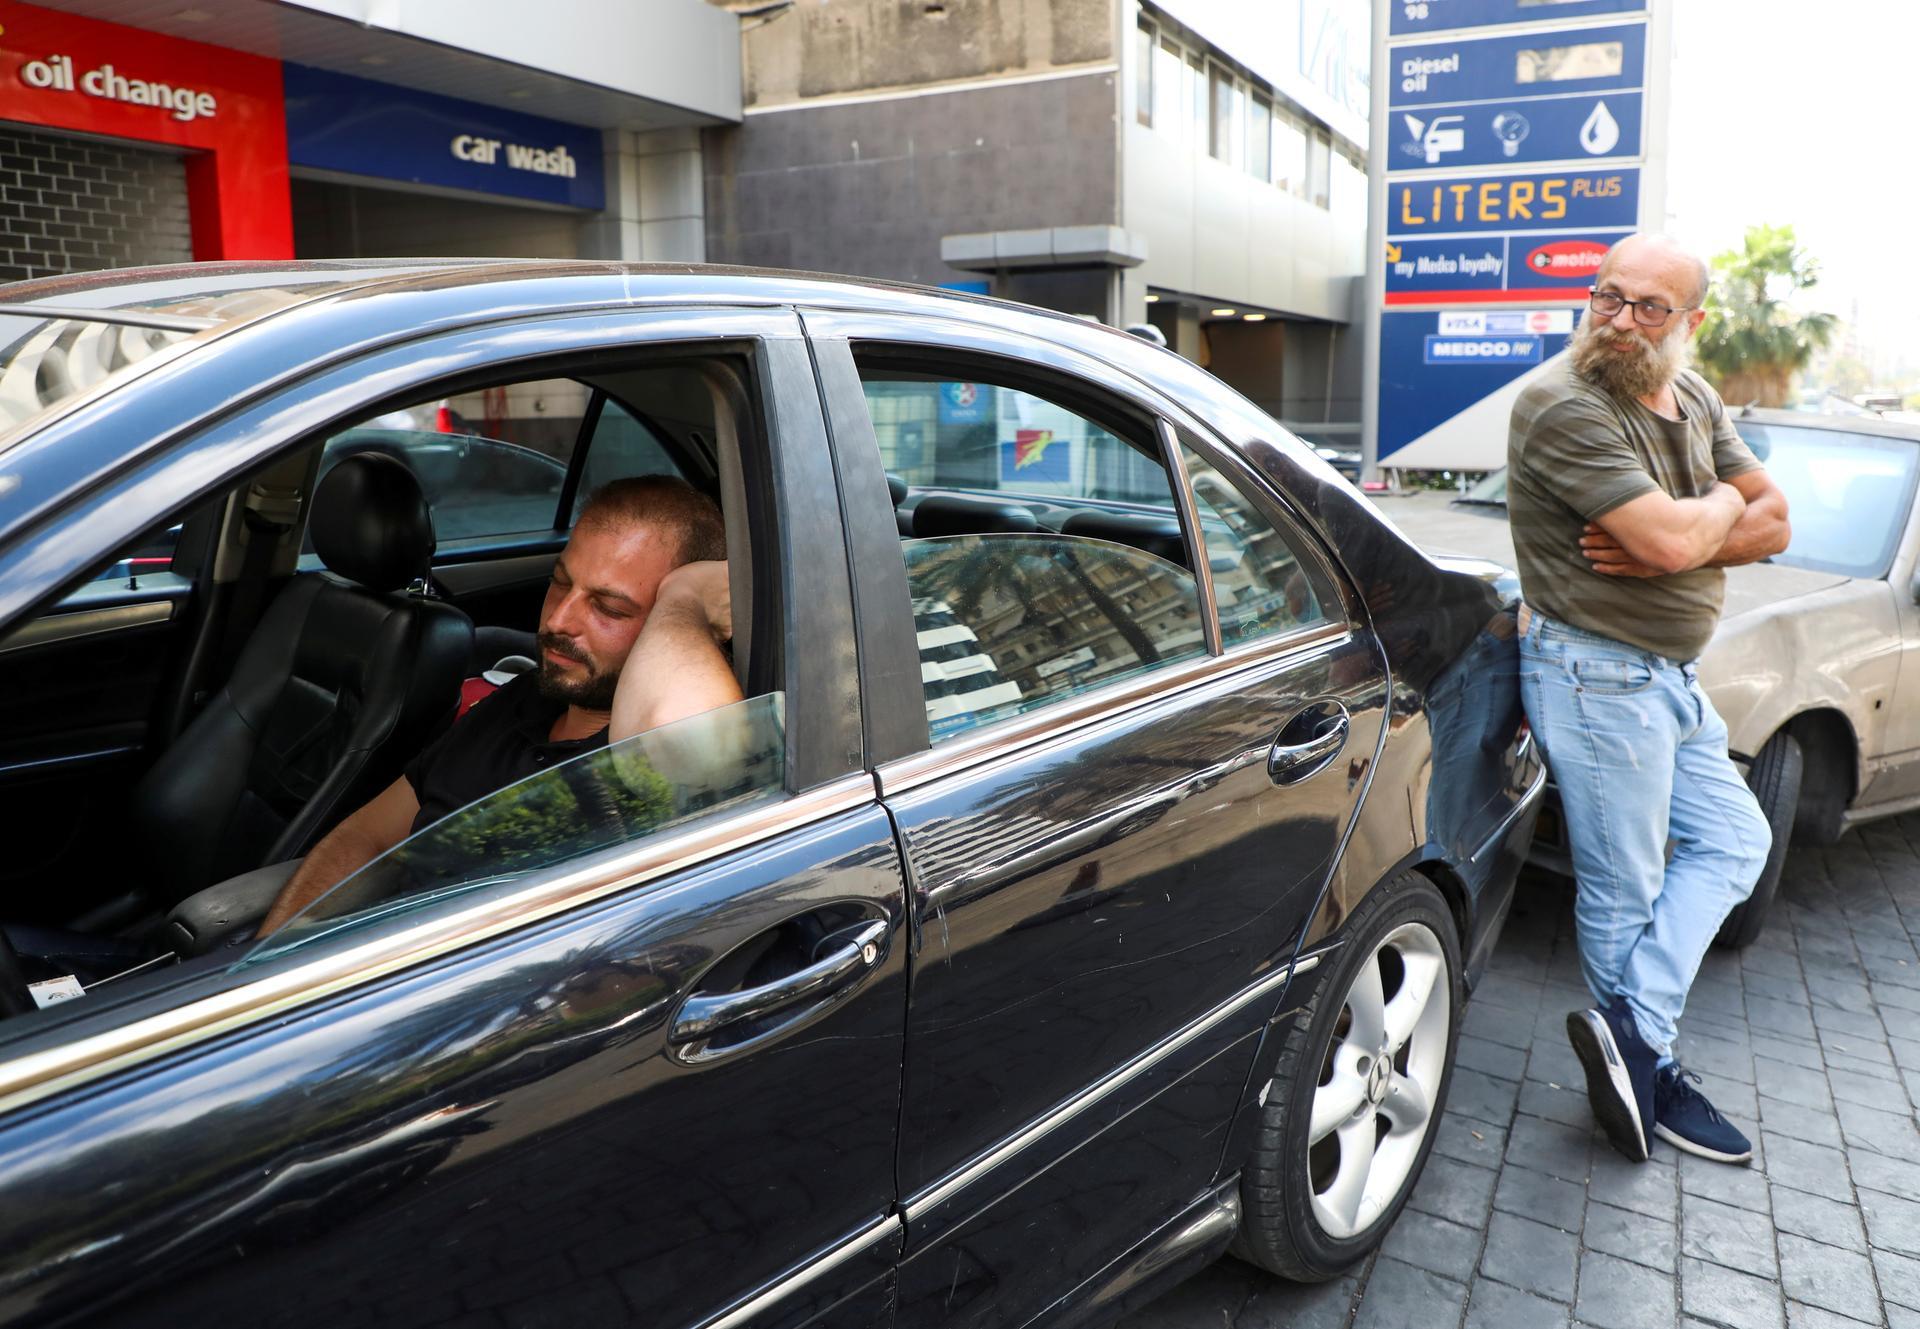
(1619, 1067)
(1684, 1118)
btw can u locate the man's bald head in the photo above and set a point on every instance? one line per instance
(1651, 251)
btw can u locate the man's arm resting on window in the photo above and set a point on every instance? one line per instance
(1762, 530)
(383, 823)
(1656, 534)
(676, 667)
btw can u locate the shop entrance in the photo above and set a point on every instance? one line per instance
(332, 219)
(73, 203)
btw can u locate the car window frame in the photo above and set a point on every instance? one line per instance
(78, 1042)
(901, 752)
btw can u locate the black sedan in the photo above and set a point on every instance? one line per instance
(1117, 816)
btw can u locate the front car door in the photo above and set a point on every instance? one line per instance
(619, 1044)
(1120, 788)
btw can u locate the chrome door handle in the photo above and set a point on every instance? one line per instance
(1289, 763)
(701, 1017)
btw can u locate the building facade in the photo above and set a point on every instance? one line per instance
(235, 129)
(1197, 164)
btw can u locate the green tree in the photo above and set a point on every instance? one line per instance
(1753, 341)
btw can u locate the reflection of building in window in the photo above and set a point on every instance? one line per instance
(958, 677)
(1057, 614)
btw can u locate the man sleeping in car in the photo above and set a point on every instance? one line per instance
(630, 639)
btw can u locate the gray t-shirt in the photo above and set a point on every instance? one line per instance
(1576, 452)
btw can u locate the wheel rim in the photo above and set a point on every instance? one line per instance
(1374, 1103)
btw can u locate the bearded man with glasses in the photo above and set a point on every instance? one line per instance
(1629, 490)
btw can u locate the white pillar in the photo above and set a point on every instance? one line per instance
(656, 199)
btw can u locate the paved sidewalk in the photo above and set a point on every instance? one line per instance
(1527, 1219)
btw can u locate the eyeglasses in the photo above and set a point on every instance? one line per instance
(1647, 313)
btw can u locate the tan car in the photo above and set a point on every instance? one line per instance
(1816, 662)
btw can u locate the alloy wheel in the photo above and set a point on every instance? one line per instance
(1384, 1065)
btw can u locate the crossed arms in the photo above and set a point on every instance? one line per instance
(1741, 520)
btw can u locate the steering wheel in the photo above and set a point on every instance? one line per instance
(15, 999)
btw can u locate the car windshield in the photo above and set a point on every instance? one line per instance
(1848, 493)
(598, 803)
(1490, 489)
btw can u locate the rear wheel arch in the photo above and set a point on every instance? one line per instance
(1830, 753)
(1454, 891)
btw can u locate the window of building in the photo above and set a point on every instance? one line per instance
(1319, 167)
(1260, 139)
(1228, 124)
(1143, 48)
(1197, 95)
(1045, 556)
(1265, 581)
(1170, 101)
(1349, 192)
(1289, 152)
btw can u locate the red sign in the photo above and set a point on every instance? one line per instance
(1567, 260)
(224, 107)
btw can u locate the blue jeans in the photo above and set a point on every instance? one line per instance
(1640, 759)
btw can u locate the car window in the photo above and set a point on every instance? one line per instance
(1043, 549)
(1265, 582)
(1009, 623)
(952, 432)
(493, 463)
(1848, 494)
(722, 761)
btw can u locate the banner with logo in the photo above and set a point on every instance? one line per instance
(1513, 155)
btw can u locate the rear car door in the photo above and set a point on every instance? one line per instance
(618, 1044)
(1116, 821)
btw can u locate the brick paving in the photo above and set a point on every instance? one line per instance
(1527, 1219)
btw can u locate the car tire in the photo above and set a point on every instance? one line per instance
(1312, 1203)
(1775, 781)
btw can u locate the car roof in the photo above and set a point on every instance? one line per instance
(1841, 424)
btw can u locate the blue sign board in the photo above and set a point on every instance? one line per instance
(1412, 16)
(1484, 350)
(1529, 66)
(1542, 267)
(1491, 134)
(1543, 200)
(1419, 392)
(360, 127)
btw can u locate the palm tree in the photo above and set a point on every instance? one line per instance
(1753, 342)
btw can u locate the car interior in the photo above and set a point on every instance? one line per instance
(217, 697)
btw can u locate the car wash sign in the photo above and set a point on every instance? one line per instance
(1514, 154)
(357, 127)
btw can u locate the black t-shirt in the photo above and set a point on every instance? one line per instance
(501, 739)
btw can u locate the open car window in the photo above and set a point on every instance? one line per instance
(724, 760)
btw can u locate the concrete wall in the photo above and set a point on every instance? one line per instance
(869, 185)
(817, 50)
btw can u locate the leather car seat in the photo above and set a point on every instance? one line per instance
(345, 679)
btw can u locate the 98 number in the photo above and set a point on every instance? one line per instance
(1416, 10)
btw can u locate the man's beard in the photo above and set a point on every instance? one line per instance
(1640, 372)
(592, 693)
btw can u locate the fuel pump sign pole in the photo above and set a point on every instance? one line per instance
(1513, 143)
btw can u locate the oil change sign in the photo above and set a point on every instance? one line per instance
(1511, 158)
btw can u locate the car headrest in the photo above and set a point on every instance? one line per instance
(371, 524)
(897, 487)
(1156, 535)
(950, 514)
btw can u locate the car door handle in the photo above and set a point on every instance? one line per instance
(1318, 734)
(701, 1017)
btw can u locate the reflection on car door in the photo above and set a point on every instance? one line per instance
(506, 1133)
(1107, 889)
